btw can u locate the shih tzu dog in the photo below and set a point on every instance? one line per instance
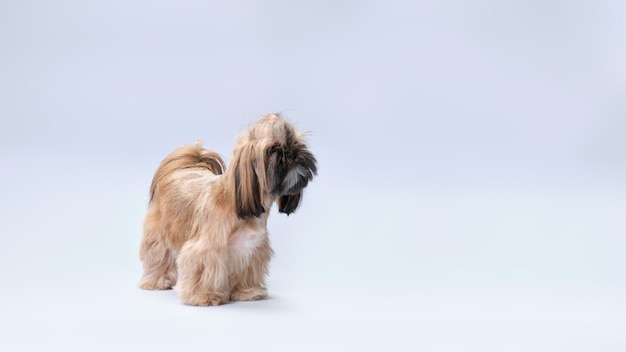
(205, 233)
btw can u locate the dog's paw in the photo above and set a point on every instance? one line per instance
(156, 283)
(207, 299)
(249, 294)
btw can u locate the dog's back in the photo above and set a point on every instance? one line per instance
(184, 158)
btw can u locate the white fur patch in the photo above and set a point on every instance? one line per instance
(243, 243)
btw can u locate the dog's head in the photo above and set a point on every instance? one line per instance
(271, 159)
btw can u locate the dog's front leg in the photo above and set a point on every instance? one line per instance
(249, 283)
(202, 274)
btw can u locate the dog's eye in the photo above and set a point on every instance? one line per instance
(272, 149)
(291, 156)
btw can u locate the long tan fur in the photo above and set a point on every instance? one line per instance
(188, 157)
(206, 228)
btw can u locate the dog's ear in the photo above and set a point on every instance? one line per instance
(248, 202)
(288, 204)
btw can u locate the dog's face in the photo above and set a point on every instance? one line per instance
(273, 159)
(290, 167)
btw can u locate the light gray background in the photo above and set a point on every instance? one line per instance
(471, 190)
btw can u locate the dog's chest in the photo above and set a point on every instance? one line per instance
(245, 241)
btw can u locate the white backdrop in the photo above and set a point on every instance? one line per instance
(471, 190)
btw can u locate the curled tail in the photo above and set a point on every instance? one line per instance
(188, 157)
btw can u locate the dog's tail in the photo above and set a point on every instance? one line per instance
(188, 157)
